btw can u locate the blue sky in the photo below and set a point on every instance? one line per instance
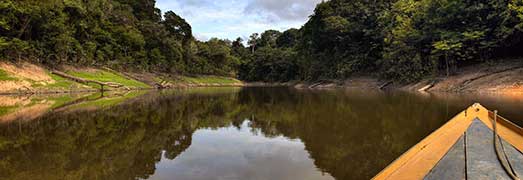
(239, 18)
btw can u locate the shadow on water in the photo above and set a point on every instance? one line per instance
(341, 134)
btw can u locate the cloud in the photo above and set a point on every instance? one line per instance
(229, 19)
(282, 10)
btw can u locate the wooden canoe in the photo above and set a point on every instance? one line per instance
(463, 148)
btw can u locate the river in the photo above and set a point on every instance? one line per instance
(222, 133)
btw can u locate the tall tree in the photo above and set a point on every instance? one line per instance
(268, 38)
(254, 40)
(288, 38)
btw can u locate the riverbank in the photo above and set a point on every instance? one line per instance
(503, 77)
(28, 78)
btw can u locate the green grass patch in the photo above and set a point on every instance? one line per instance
(7, 109)
(158, 80)
(60, 82)
(4, 76)
(209, 80)
(105, 76)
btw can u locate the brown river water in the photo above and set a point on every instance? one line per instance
(222, 133)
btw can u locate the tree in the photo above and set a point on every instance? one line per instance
(446, 47)
(341, 38)
(144, 9)
(402, 40)
(254, 40)
(177, 26)
(268, 38)
(288, 38)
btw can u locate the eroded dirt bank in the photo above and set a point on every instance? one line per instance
(23, 78)
(28, 78)
(487, 77)
(503, 77)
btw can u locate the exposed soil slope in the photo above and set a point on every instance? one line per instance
(506, 76)
(23, 77)
(502, 77)
(29, 78)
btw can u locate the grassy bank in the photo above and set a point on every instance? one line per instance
(4, 76)
(25, 77)
(106, 76)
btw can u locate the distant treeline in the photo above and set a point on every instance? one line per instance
(403, 40)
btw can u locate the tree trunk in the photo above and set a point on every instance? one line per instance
(85, 81)
(447, 62)
(24, 26)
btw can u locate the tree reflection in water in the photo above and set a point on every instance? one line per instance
(349, 135)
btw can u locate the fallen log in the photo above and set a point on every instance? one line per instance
(314, 85)
(384, 85)
(87, 81)
(426, 88)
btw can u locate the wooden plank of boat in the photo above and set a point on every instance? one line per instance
(419, 161)
(452, 165)
(516, 159)
(482, 161)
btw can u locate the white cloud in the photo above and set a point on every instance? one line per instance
(239, 18)
(282, 10)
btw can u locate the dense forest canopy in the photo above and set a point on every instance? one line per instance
(116, 33)
(402, 40)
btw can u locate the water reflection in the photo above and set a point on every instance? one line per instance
(240, 153)
(227, 133)
(26, 108)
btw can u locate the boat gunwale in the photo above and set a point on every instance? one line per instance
(509, 131)
(507, 123)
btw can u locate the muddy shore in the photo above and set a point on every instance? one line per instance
(27, 78)
(506, 77)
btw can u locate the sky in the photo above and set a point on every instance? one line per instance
(229, 19)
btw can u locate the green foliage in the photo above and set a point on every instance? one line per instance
(7, 109)
(177, 26)
(288, 39)
(4, 76)
(340, 38)
(214, 57)
(269, 38)
(60, 82)
(106, 76)
(403, 40)
(239, 50)
(270, 65)
(127, 34)
(441, 34)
